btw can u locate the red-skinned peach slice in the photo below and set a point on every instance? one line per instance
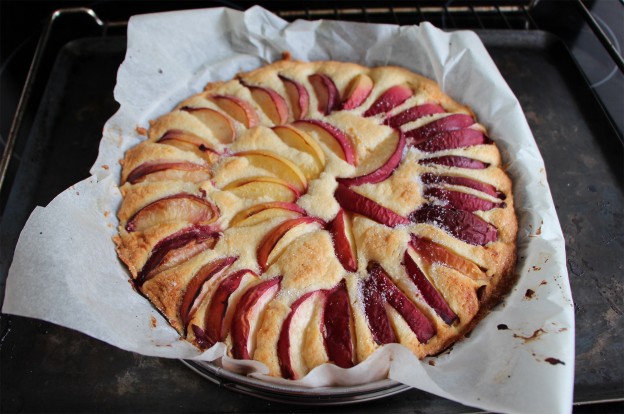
(214, 325)
(415, 319)
(246, 313)
(461, 201)
(414, 113)
(266, 215)
(458, 138)
(336, 326)
(237, 108)
(278, 165)
(375, 311)
(271, 102)
(428, 291)
(260, 187)
(455, 161)
(344, 244)
(384, 171)
(432, 252)
(301, 141)
(357, 203)
(179, 136)
(447, 123)
(359, 89)
(330, 135)
(298, 96)
(272, 237)
(220, 124)
(461, 224)
(326, 93)
(256, 209)
(176, 256)
(194, 294)
(429, 178)
(178, 247)
(142, 171)
(200, 337)
(178, 207)
(388, 100)
(284, 342)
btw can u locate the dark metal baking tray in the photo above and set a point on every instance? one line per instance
(49, 368)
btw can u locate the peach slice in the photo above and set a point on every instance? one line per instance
(463, 225)
(298, 97)
(246, 316)
(379, 288)
(220, 124)
(357, 203)
(428, 178)
(271, 102)
(455, 161)
(461, 201)
(238, 109)
(263, 187)
(177, 136)
(166, 170)
(336, 327)
(376, 314)
(344, 244)
(432, 252)
(359, 89)
(303, 142)
(326, 92)
(265, 211)
(384, 171)
(271, 239)
(337, 141)
(195, 293)
(176, 248)
(293, 332)
(414, 113)
(428, 292)
(216, 323)
(277, 165)
(447, 123)
(388, 100)
(177, 207)
(458, 138)
(265, 215)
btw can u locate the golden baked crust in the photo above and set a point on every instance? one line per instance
(306, 213)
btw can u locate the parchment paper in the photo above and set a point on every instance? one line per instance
(65, 270)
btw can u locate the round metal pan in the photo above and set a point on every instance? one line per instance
(340, 395)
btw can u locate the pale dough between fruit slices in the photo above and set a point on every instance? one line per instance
(188, 160)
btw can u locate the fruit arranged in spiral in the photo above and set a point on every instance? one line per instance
(309, 213)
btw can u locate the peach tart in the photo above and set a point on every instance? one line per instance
(309, 213)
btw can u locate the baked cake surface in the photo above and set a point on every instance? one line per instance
(306, 213)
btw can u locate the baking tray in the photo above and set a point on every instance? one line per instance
(72, 372)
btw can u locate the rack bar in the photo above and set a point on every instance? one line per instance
(476, 15)
(502, 15)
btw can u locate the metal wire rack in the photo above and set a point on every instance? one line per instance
(446, 17)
